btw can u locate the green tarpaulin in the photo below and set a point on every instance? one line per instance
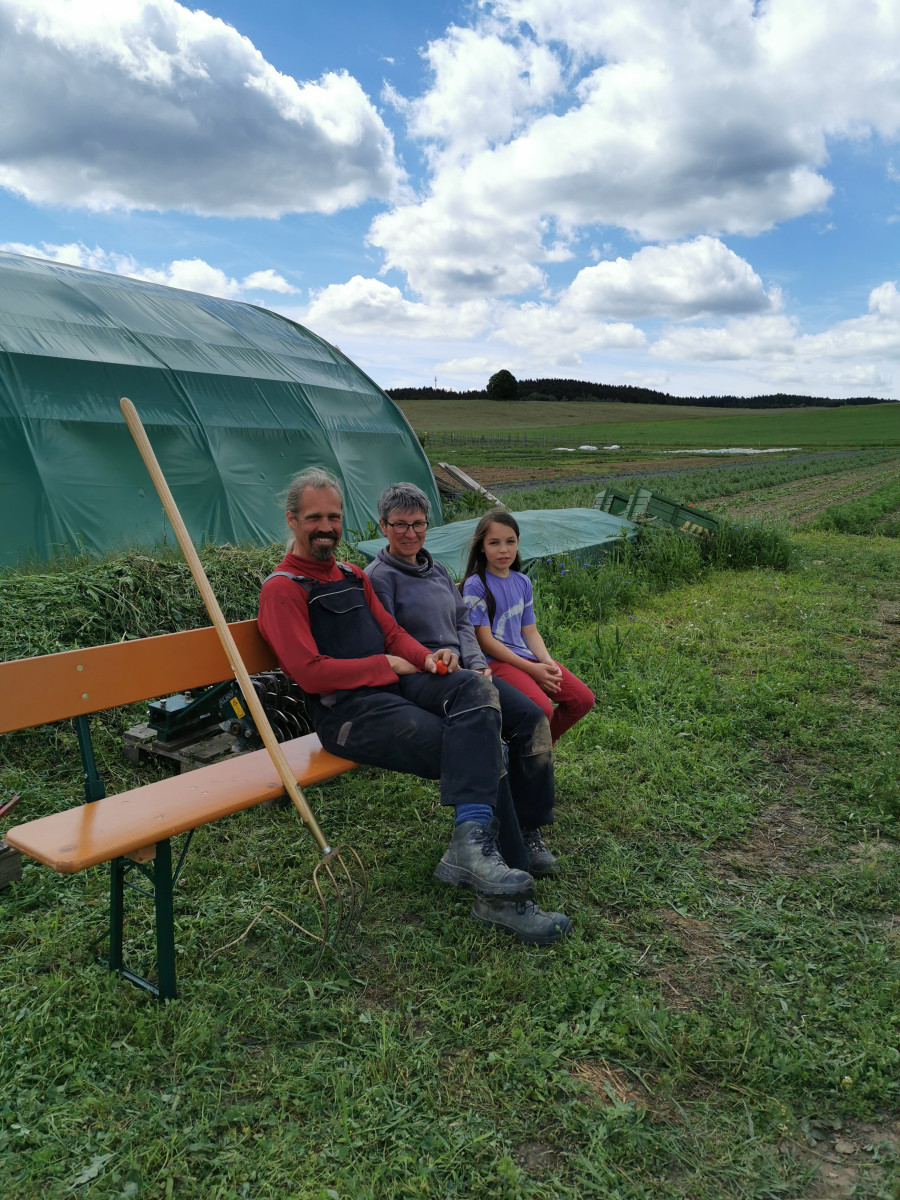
(235, 400)
(544, 532)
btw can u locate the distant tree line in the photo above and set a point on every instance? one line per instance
(504, 386)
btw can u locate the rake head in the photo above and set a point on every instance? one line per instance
(342, 887)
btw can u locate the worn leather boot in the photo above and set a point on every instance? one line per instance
(473, 857)
(522, 918)
(543, 862)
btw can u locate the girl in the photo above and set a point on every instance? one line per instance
(499, 599)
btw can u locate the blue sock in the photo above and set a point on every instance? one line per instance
(481, 813)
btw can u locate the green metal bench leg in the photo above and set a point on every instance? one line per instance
(163, 886)
(116, 912)
(93, 784)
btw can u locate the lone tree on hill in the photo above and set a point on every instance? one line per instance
(502, 386)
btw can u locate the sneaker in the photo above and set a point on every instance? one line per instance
(542, 861)
(521, 917)
(473, 857)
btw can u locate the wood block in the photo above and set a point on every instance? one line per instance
(10, 865)
(145, 854)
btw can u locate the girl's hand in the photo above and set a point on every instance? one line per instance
(486, 672)
(548, 677)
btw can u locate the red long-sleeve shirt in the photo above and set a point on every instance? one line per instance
(284, 623)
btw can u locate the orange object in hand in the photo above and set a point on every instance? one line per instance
(440, 666)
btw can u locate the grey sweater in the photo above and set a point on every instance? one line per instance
(422, 597)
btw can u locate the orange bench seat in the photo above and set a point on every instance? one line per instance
(95, 833)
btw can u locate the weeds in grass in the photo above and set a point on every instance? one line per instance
(656, 559)
(866, 514)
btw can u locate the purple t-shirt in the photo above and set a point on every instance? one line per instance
(515, 608)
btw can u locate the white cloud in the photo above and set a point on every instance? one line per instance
(449, 251)
(190, 274)
(771, 340)
(266, 281)
(711, 117)
(146, 104)
(371, 308)
(561, 336)
(690, 279)
(759, 337)
(484, 87)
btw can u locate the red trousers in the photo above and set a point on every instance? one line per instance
(572, 702)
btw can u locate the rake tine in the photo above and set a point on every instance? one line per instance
(348, 895)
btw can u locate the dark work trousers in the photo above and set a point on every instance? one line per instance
(527, 735)
(444, 727)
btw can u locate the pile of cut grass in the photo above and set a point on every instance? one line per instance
(90, 601)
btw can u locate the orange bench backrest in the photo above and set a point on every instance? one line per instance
(36, 691)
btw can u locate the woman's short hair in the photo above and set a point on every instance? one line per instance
(405, 496)
(316, 478)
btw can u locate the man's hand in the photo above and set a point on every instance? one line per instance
(447, 657)
(399, 665)
(548, 677)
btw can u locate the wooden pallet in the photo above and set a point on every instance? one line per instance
(10, 865)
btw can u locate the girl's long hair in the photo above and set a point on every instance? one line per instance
(477, 563)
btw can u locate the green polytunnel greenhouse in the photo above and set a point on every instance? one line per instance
(235, 400)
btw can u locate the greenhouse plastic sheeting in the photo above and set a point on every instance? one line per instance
(544, 532)
(235, 400)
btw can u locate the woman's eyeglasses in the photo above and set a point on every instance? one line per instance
(403, 526)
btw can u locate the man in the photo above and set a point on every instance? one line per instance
(375, 695)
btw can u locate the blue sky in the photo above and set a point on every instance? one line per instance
(701, 196)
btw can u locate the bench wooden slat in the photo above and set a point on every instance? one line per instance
(36, 691)
(94, 833)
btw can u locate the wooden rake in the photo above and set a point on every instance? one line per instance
(335, 883)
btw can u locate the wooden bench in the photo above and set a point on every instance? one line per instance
(132, 831)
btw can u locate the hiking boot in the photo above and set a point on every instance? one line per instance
(542, 861)
(521, 917)
(473, 857)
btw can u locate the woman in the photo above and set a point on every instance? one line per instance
(422, 597)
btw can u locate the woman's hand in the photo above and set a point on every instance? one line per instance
(399, 665)
(548, 677)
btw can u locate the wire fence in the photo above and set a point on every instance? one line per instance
(485, 441)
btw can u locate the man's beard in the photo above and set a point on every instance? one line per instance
(320, 551)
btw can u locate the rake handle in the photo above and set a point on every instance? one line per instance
(241, 674)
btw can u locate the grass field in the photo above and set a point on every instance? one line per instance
(723, 1022)
(638, 425)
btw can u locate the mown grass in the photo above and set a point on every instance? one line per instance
(726, 1008)
(629, 426)
(473, 415)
